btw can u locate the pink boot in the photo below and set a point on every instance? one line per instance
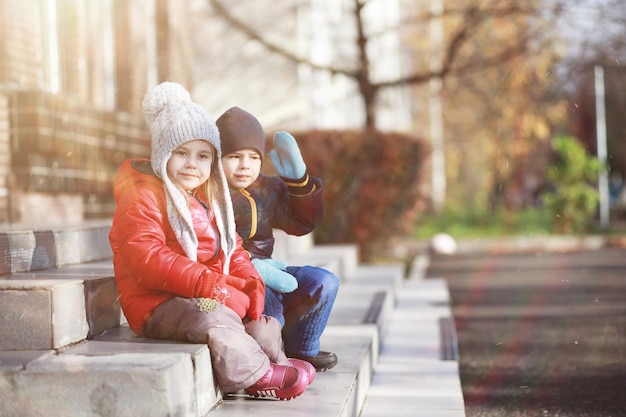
(281, 382)
(304, 367)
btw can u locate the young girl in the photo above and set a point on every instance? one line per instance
(179, 265)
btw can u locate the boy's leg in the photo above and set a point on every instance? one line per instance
(238, 360)
(307, 310)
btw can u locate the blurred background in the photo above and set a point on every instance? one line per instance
(469, 117)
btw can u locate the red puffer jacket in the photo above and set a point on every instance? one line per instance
(150, 265)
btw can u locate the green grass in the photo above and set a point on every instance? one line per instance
(501, 223)
(529, 222)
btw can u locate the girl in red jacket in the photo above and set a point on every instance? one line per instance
(180, 269)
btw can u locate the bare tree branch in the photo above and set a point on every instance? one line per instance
(366, 87)
(246, 29)
(471, 19)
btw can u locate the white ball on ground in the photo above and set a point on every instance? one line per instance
(444, 244)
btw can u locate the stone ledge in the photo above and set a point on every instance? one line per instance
(23, 249)
(41, 314)
(341, 260)
(101, 301)
(339, 392)
(122, 340)
(121, 385)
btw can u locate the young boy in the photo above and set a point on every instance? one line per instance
(300, 297)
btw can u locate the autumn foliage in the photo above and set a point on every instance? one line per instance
(372, 183)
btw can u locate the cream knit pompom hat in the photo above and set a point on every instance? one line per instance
(174, 120)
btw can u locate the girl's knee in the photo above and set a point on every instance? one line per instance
(266, 326)
(272, 323)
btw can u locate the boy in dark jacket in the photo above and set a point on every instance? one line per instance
(300, 297)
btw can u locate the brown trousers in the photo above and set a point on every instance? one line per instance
(241, 353)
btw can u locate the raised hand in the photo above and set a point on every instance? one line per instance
(286, 157)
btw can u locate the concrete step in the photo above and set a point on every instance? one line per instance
(121, 340)
(52, 286)
(115, 372)
(356, 326)
(339, 392)
(342, 260)
(45, 304)
(61, 294)
(287, 246)
(101, 305)
(23, 249)
(414, 375)
(117, 356)
(41, 313)
(52, 308)
(117, 384)
(354, 332)
(368, 297)
(105, 364)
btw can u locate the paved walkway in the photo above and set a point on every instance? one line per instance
(540, 333)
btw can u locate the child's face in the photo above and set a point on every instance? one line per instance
(190, 164)
(241, 167)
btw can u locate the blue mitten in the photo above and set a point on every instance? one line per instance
(276, 263)
(286, 157)
(273, 277)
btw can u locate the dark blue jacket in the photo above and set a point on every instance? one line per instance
(274, 203)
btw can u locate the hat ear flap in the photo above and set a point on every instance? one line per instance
(222, 206)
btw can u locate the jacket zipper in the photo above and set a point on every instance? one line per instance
(253, 213)
(216, 232)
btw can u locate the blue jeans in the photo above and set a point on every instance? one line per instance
(304, 312)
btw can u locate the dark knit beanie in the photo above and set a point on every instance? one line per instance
(238, 130)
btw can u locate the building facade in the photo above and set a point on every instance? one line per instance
(73, 74)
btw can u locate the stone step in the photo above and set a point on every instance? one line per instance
(41, 313)
(355, 329)
(112, 346)
(45, 303)
(287, 246)
(116, 384)
(121, 340)
(101, 305)
(414, 375)
(368, 297)
(342, 260)
(115, 372)
(339, 392)
(343, 388)
(23, 249)
(52, 308)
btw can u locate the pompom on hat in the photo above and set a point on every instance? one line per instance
(240, 129)
(175, 120)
